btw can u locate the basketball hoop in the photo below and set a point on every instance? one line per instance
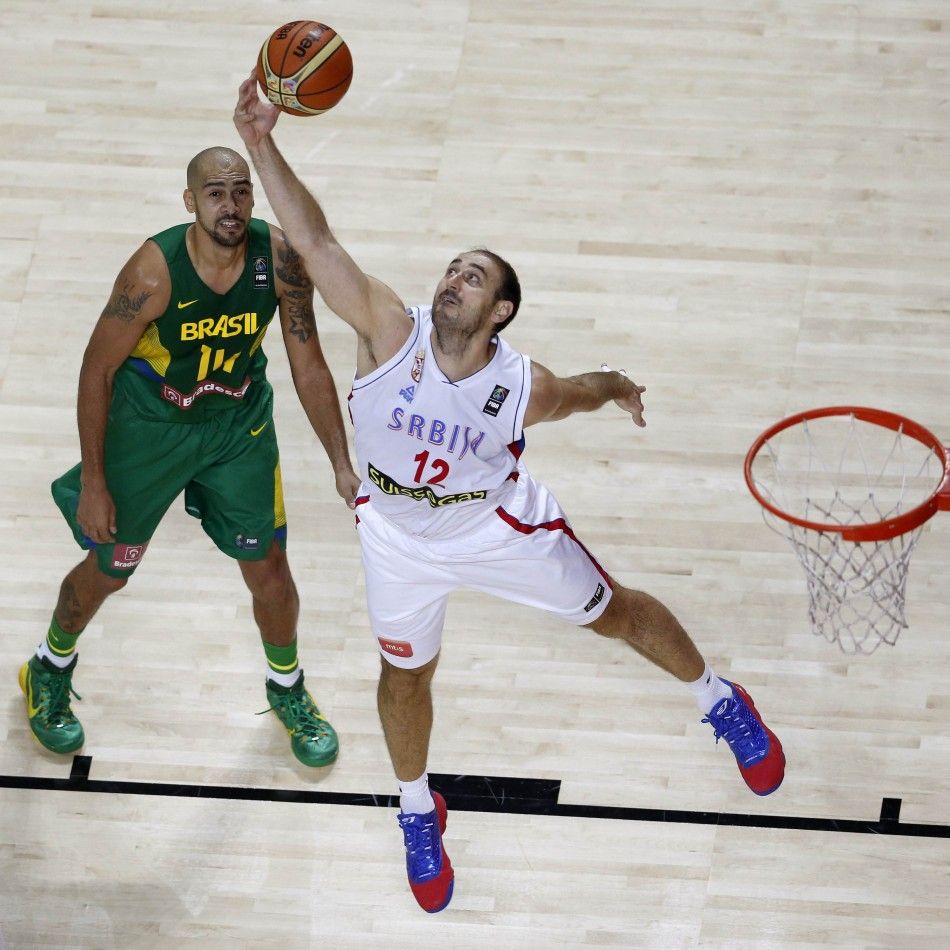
(850, 489)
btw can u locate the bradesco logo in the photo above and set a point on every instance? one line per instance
(125, 556)
(223, 326)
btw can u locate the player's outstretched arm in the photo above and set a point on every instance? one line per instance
(308, 367)
(366, 304)
(554, 397)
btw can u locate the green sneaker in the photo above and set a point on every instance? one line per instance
(312, 738)
(47, 690)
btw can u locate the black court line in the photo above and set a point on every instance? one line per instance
(484, 793)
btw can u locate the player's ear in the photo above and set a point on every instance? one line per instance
(502, 311)
(188, 196)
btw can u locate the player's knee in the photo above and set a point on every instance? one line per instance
(110, 585)
(92, 577)
(269, 579)
(624, 617)
(402, 683)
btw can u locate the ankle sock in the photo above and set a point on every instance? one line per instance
(415, 797)
(282, 665)
(709, 690)
(59, 647)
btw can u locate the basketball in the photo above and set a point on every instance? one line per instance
(304, 67)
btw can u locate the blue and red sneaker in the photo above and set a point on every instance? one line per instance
(757, 750)
(431, 877)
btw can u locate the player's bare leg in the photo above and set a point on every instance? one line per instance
(46, 678)
(82, 593)
(274, 596)
(404, 700)
(652, 630)
(276, 609)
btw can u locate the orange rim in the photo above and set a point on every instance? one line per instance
(878, 530)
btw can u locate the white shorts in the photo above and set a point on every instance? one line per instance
(523, 551)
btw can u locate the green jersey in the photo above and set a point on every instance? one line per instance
(204, 352)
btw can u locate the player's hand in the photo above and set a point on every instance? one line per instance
(96, 514)
(630, 401)
(347, 486)
(253, 117)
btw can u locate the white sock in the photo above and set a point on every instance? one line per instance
(415, 797)
(285, 679)
(709, 690)
(61, 662)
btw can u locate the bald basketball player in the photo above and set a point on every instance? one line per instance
(439, 406)
(173, 398)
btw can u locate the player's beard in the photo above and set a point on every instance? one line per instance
(225, 239)
(453, 333)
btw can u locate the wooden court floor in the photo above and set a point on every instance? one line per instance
(745, 204)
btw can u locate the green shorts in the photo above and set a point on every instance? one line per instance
(227, 465)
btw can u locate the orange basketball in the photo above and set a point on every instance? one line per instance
(304, 68)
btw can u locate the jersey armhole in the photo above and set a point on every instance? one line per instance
(411, 341)
(518, 424)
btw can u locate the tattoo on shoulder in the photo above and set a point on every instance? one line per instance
(290, 268)
(303, 323)
(124, 305)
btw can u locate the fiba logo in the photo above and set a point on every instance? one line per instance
(260, 274)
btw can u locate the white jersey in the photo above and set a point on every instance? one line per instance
(435, 454)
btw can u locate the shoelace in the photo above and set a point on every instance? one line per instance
(299, 708)
(736, 730)
(59, 689)
(420, 844)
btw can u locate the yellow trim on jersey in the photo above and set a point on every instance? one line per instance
(258, 341)
(150, 349)
(280, 515)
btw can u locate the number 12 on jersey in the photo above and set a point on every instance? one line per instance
(440, 467)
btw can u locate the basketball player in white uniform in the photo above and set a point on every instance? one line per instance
(439, 405)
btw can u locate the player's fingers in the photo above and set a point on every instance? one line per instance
(94, 534)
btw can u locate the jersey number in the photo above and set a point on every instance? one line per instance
(440, 465)
(219, 360)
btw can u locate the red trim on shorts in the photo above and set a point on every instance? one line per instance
(557, 525)
(360, 500)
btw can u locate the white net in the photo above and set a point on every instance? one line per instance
(840, 470)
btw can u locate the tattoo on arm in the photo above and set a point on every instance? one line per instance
(290, 268)
(124, 306)
(303, 323)
(291, 271)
